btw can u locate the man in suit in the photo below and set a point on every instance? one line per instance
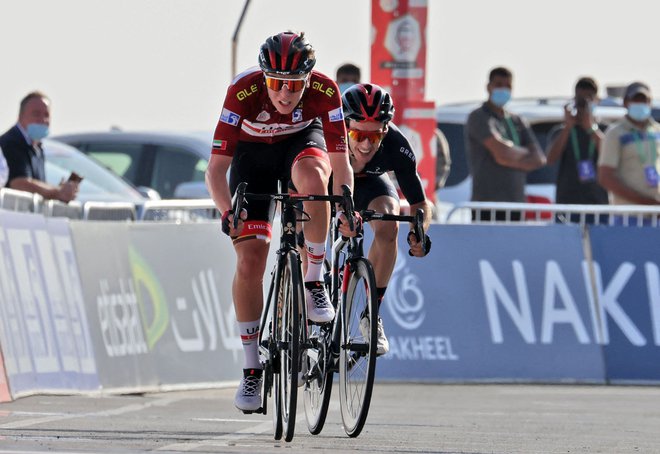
(21, 146)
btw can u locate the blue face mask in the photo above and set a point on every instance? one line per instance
(500, 96)
(344, 86)
(37, 131)
(639, 111)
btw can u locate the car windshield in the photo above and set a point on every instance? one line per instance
(98, 184)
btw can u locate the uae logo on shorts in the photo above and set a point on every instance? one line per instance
(297, 115)
(263, 116)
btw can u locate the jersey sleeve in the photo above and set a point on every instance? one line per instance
(228, 129)
(334, 129)
(405, 170)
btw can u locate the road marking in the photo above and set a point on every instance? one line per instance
(114, 412)
(222, 440)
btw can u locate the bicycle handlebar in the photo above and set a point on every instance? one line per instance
(417, 220)
(345, 200)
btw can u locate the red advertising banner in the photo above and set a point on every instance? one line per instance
(398, 48)
(417, 122)
(398, 64)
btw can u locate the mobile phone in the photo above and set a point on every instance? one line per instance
(74, 177)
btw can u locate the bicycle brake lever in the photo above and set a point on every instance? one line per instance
(238, 201)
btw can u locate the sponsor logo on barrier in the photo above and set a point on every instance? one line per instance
(209, 323)
(119, 318)
(405, 303)
(43, 328)
(560, 308)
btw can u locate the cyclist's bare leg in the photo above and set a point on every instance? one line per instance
(311, 175)
(383, 250)
(247, 288)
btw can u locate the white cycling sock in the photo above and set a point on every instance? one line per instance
(250, 339)
(315, 256)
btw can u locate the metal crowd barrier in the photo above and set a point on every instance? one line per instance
(13, 200)
(183, 210)
(109, 211)
(55, 208)
(556, 213)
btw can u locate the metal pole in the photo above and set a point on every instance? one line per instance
(234, 39)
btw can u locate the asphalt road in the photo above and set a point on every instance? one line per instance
(404, 418)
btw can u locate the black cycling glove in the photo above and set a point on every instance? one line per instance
(427, 243)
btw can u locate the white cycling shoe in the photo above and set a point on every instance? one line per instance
(248, 394)
(319, 308)
(382, 344)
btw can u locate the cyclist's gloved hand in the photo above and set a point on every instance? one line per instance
(227, 223)
(344, 228)
(416, 249)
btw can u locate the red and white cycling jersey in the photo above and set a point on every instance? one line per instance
(248, 115)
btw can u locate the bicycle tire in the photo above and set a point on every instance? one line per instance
(357, 358)
(291, 297)
(318, 387)
(271, 366)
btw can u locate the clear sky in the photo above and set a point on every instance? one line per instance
(166, 64)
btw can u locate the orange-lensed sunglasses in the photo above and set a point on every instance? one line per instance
(373, 136)
(276, 83)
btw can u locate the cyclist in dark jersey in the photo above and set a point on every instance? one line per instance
(377, 146)
(278, 122)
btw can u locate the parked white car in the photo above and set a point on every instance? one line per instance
(173, 164)
(99, 184)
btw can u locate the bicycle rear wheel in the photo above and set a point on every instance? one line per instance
(357, 358)
(287, 333)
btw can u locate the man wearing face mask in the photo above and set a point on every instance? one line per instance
(501, 149)
(22, 148)
(576, 145)
(347, 75)
(629, 164)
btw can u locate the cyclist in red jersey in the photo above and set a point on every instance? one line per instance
(280, 122)
(377, 146)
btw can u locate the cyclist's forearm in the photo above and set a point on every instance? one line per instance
(342, 173)
(428, 212)
(216, 182)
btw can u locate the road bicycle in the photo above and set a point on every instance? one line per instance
(349, 345)
(283, 336)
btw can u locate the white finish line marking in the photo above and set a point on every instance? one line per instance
(221, 440)
(117, 411)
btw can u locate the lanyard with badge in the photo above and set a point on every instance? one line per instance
(650, 171)
(513, 133)
(585, 167)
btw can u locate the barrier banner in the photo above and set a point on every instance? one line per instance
(501, 303)
(44, 334)
(160, 302)
(626, 264)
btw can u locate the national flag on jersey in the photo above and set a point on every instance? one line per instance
(220, 145)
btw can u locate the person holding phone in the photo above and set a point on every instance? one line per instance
(21, 146)
(576, 145)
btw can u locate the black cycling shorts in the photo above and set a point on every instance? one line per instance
(262, 166)
(368, 187)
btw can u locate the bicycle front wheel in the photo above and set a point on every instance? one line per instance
(357, 359)
(290, 297)
(318, 385)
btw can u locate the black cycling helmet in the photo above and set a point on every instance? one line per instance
(287, 53)
(367, 102)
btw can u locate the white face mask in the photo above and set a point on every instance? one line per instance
(639, 111)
